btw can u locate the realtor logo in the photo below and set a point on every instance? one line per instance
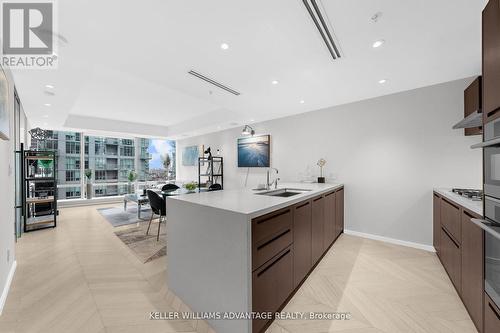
(27, 28)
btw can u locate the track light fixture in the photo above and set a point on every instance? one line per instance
(248, 130)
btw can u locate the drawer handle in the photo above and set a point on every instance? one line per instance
(450, 237)
(451, 203)
(328, 194)
(491, 113)
(273, 239)
(272, 264)
(272, 217)
(303, 205)
(494, 310)
(317, 199)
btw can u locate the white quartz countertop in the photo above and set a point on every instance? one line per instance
(473, 206)
(248, 202)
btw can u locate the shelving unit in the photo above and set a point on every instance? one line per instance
(39, 190)
(213, 171)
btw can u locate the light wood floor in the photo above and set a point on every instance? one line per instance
(80, 278)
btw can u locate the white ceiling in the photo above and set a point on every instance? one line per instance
(127, 61)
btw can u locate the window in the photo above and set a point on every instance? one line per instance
(72, 147)
(127, 151)
(72, 163)
(110, 160)
(100, 175)
(72, 176)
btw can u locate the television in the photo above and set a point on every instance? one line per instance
(254, 151)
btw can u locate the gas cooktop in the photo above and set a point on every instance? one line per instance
(474, 195)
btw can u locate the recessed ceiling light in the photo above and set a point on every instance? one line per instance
(378, 43)
(45, 124)
(252, 120)
(376, 17)
(47, 104)
(46, 116)
(382, 81)
(224, 46)
(274, 82)
(302, 101)
(49, 86)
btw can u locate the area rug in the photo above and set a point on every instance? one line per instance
(118, 217)
(145, 247)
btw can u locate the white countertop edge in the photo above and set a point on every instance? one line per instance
(474, 206)
(283, 202)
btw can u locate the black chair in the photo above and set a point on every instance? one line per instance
(169, 188)
(158, 207)
(215, 187)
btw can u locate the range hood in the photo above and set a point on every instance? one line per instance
(475, 119)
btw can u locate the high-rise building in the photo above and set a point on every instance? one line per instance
(111, 161)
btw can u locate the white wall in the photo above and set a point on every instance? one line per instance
(7, 239)
(388, 151)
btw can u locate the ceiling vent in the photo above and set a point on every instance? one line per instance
(321, 22)
(213, 82)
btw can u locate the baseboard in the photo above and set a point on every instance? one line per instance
(391, 240)
(5, 292)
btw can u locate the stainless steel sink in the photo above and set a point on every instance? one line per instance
(284, 192)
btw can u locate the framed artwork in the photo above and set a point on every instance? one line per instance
(190, 156)
(4, 106)
(254, 151)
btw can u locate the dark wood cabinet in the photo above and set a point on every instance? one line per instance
(286, 245)
(473, 103)
(339, 211)
(271, 233)
(318, 222)
(271, 285)
(436, 223)
(451, 258)
(330, 227)
(491, 61)
(450, 219)
(301, 241)
(491, 316)
(472, 268)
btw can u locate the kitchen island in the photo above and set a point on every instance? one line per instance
(242, 251)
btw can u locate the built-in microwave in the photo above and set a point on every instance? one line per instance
(491, 226)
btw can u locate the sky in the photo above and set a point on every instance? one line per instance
(157, 149)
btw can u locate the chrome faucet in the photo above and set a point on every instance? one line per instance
(275, 181)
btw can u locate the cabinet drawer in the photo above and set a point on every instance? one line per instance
(491, 316)
(269, 225)
(436, 230)
(450, 219)
(318, 222)
(451, 258)
(271, 285)
(330, 228)
(301, 241)
(267, 248)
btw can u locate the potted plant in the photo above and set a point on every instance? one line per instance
(191, 187)
(88, 176)
(321, 163)
(132, 176)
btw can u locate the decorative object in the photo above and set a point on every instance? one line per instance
(209, 152)
(191, 187)
(132, 176)
(39, 134)
(248, 130)
(190, 156)
(321, 163)
(4, 107)
(88, 176)
(254, 151)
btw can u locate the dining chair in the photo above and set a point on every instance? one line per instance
(215, 187)
(158, 207)
(169, 187)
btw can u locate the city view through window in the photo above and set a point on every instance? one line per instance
(113, 166)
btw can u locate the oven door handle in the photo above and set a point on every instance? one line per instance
(484, 224)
